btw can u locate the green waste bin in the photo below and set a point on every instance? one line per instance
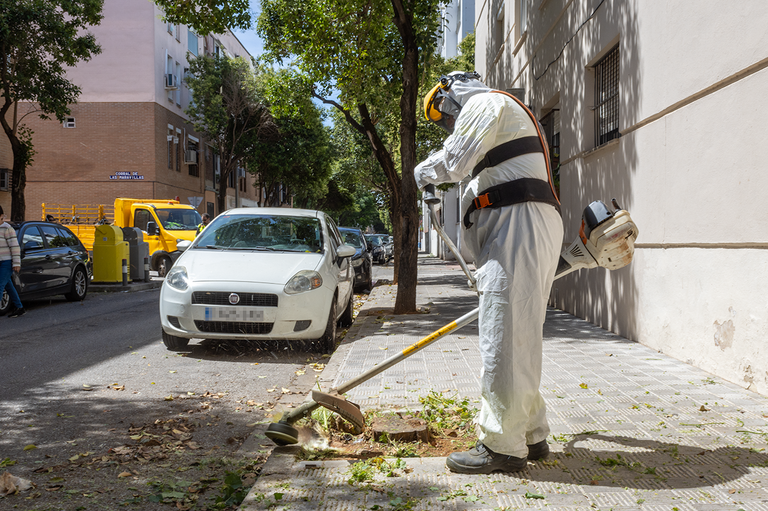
(109, 250)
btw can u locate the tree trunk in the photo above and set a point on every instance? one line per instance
(18, 181)
(18, 174)
(221, 196)
(19, 184)
(409, 213)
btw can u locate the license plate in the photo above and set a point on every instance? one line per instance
(245, 314)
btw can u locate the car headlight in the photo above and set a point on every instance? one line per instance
(305, 280)
(177, 278)
(357, 262)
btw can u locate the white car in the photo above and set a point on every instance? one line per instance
(260, 273)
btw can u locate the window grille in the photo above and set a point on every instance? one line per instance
(551, 125)
(178, 153)
(4, 178)
(607, 98)
(194, 170)
(170, 149)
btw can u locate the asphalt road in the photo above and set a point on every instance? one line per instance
(71, 372)
(77, 375)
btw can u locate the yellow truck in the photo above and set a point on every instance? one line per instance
(163, 222)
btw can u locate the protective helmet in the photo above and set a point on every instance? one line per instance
(441, 105)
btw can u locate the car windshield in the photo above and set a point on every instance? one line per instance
(178, 219)
(263, 232)
(351, 238)
(373, 240)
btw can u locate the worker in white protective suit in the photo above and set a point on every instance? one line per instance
(515, 233)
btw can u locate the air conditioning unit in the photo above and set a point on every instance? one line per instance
(190, 157)
(171, 82)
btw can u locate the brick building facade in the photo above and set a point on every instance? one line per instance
(128, 135)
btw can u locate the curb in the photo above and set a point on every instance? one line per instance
(117, 287)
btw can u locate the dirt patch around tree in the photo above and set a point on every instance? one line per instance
(444, 425)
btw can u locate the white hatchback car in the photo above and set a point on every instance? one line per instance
(260, 273)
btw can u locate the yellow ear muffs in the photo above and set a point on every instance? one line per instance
(430, 112)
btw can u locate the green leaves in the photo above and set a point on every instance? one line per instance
(207, 17)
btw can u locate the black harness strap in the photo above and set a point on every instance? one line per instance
(508, 150)
(514, 192)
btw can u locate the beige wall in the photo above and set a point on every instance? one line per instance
(688, 165)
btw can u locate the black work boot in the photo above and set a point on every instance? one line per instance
(482, 460)
(538, 451)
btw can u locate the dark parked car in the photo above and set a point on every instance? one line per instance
(53, 262)
(378, 252)
(383, 241)
(362, 261)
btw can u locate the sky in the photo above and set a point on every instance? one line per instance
(250, 39)
(255, 46)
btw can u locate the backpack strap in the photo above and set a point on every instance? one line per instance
(513, 192)
(507, 151)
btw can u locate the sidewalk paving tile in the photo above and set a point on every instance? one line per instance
(631, 428)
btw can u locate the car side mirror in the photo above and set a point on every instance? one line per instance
(343, 252)
(181, 246)
(346, 251)
(152, 228)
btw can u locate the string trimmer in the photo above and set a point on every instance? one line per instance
(606, 239)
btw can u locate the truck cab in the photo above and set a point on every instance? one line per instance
(164, 224)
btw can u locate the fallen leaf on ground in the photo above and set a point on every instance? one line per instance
(9, 483)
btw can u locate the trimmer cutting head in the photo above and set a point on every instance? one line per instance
(282, 433)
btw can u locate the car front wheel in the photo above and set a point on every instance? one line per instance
(174, 343)
(5, 303)
(79, 286)
(327, 342)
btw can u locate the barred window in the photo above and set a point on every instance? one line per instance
(607, 98)
(4, 179)
(551, 125)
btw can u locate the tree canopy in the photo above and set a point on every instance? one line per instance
(299, 156)
(208, 16)
(39, 39)
(229, 110)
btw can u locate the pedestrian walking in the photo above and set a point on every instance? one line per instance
(10, 262)
(514, 231)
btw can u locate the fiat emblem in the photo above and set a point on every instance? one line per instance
(234, 298)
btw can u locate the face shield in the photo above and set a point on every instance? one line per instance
(440, 104)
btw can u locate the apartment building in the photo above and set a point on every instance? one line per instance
(128, 135)
(656, 104)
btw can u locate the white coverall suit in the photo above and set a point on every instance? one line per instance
(516, 249)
